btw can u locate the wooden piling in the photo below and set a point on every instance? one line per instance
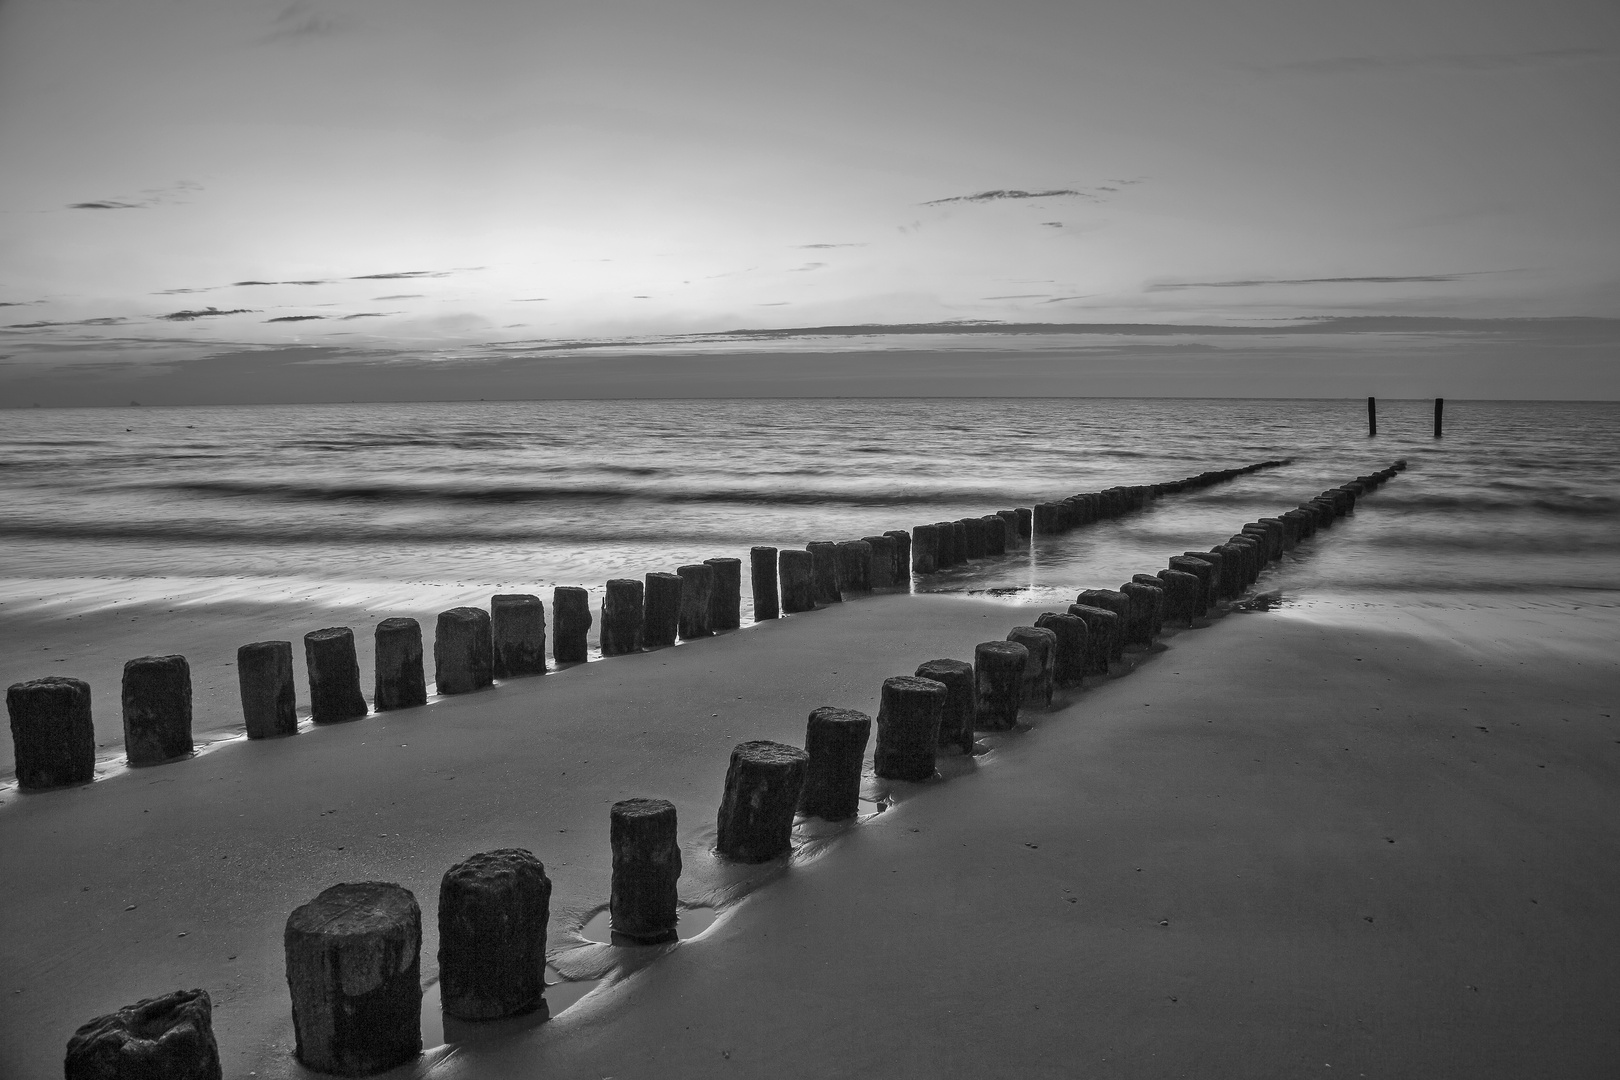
(725, 600)
(493, 910)
(824, 570)
(463, 651)
(334, 676)
(763, 783)
(956, 718)
(517, 635)
(762, 580)
(1037, 682)
(354, 972)
(157, 709)
(697, 592)
(644, 904)
(51, 732)
(163, 1038)
(1372, 416)
(925, 549)
(998, 684)
(570, 624)
(797, 570)
(623, 613)
(661, 616)
(1439, 414)
(264, 675)
(835, 743)
(908, 728)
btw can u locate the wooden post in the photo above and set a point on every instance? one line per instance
(908, 728)
(334, 675)
(354, 973)
(998, 684)
(1372, 416)
(517, 635)
(622, 614)
(1439, 412)
(662, 614)
(646, 867)
(725, 599)
(797, 574)
(264, 673)
(956, 721)
(52, 732)
(399, 680)
(157, 709)
(762, 575)
(493, 908)
(836, 741)
(463, 651)
(763, 784)
(170, 1036)
(570, 619)
(697, 593)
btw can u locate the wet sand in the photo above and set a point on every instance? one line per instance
(1355, 835)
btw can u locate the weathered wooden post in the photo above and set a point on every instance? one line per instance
(798, 581)
(334, 675)
(1069, 657)
(1037, 681)
(908, 728)
(902, 556)
(957, 716)
(824, 570)
(51, 732)
(643, 903)
(697, 593)
(570, 624)
(1183, 596)
(995, 536)
(725, 601)
(975, 533)
(855, 566)
(517, 635)
(1372, 416)
(463, 652)
(835, 742)
(623, 613)
(1120, 605)
(354, 964)
(1146, 601)
(762, 579)
(399, 679)
(157, 709)
(1102, 636)
(264, 675)
(1026, 519)
(493, 909)
(925, 549)
(998, 684)
(662, 616)
(949, 555)
(763, 783)
(1204, 572)
(1439, 413)
(881, 573)
(959, 541)
(162, 1038)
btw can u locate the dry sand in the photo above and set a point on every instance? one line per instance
(1357, 836)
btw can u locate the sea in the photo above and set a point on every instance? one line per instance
(196, 530)
(394, 503)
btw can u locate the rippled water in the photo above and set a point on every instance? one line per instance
(534, 494)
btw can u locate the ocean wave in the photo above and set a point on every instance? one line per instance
(1564, 505)
(501, 494)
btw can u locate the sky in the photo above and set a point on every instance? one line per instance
(245, 200)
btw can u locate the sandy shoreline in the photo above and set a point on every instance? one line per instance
(1256, 771)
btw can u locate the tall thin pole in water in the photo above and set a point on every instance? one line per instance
(1439, 410)
(1372, 416)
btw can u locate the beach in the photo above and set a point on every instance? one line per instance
(1349, 871)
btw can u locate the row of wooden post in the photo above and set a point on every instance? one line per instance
(353, 952)
(54, 737)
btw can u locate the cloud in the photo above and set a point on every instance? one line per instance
(1169, 286)
(17, 303)
(243, 284)
(1053, 224)
(826, 247)
(1337, 65)
(108, 320)
(519, 300)
(148, 197)
(399, 275)
(187, 316)
(369, 315)
(295, 318)
(1060, 299)
(400, 296)
(1009, 193)
(300, 21)
(1019, 296)
(807, 267)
